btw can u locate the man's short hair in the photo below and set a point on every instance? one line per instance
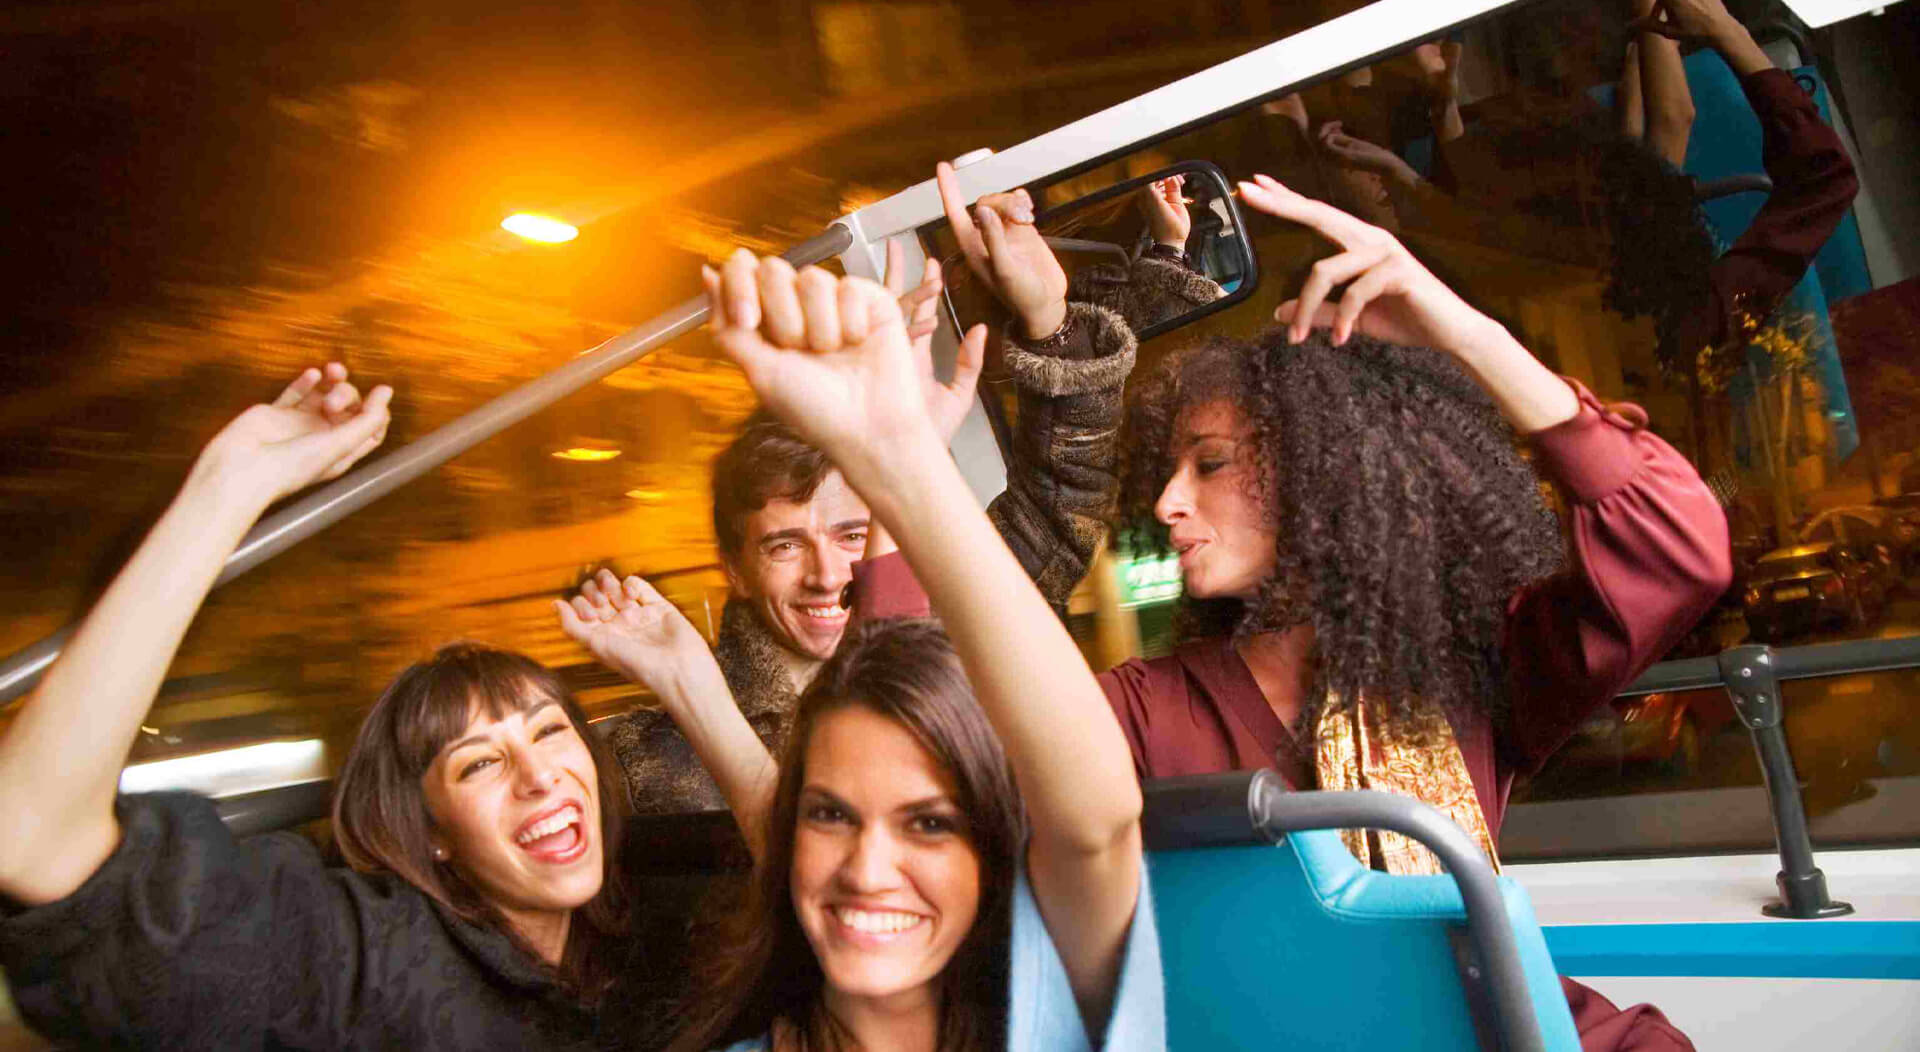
(767, 462)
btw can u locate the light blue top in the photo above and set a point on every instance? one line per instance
(1043, 1016)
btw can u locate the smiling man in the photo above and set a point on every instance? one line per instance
(789, 530)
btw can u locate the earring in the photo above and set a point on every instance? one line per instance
(439, 854)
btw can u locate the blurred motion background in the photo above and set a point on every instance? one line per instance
(203, 196)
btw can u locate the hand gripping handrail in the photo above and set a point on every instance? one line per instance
(361, 487)
(1215, 809)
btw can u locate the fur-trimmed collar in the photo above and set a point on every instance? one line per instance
(755, 664)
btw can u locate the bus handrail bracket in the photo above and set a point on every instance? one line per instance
(1752, 679)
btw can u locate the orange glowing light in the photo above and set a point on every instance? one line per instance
(543, 229)
(585, 454)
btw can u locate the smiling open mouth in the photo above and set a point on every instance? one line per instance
(876, 923)
(825, 612)
(558, 837)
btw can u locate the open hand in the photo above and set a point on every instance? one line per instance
(632, 629)
(829, 356)
(1164, 204)
(315, 430)
(1006, 252)
(948, 403)
(1389, 295)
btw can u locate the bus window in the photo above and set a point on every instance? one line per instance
(1530, 161)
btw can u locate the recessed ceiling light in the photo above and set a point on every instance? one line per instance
(544, 229)
(585, 454)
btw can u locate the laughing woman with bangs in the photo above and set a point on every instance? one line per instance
(474, 810)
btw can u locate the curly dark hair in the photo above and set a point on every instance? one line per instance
(1406, 515)
(1659, 246)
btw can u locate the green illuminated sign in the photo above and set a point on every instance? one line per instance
(1149, 579)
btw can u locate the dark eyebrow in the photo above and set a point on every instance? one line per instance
(797, 533)
(481, 739)
(1194, 440)
(830, 796)
(938, 801)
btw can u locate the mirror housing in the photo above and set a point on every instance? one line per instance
(1101, 238)
(1103, 228)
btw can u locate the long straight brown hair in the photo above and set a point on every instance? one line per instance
(763, 970)
(380, 818)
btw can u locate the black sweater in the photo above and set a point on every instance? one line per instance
(189, 938)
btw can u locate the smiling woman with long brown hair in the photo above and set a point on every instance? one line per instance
(907, 897)
(475, 810)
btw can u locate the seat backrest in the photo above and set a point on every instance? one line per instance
(1297, 946)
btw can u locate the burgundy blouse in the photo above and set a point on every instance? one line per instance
(1650, 557)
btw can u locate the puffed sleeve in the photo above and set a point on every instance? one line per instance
(1650, 557)
(188, 938)
(885, 587)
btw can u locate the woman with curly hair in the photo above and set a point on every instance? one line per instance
(1375, 588)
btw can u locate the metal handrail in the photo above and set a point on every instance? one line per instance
(1751, 676)
(1802, 662)
(370, 482)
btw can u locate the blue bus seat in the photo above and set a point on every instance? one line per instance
(1295, 945)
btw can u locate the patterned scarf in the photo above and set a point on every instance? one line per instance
(1355, 748)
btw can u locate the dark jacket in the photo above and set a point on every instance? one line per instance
(188, 938)
(1063, 472)
(664, 776)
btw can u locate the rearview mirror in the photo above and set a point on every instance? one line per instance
(1106, 241)
(1105, 233)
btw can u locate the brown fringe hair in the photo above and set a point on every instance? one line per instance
(380, 819)
(763, 972)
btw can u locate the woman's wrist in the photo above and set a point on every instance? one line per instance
(1043, 322)
(1738, 47)
(886, 473)
(220, 493)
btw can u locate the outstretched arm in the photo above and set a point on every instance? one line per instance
(60, 759)
(632, 629)
(848, 384)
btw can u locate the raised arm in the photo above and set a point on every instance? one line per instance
(631, 628)
(60, 759)
(1813, 178)
(832, 358)
(1069, 363)
(1663, 97)
(1390, 296)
